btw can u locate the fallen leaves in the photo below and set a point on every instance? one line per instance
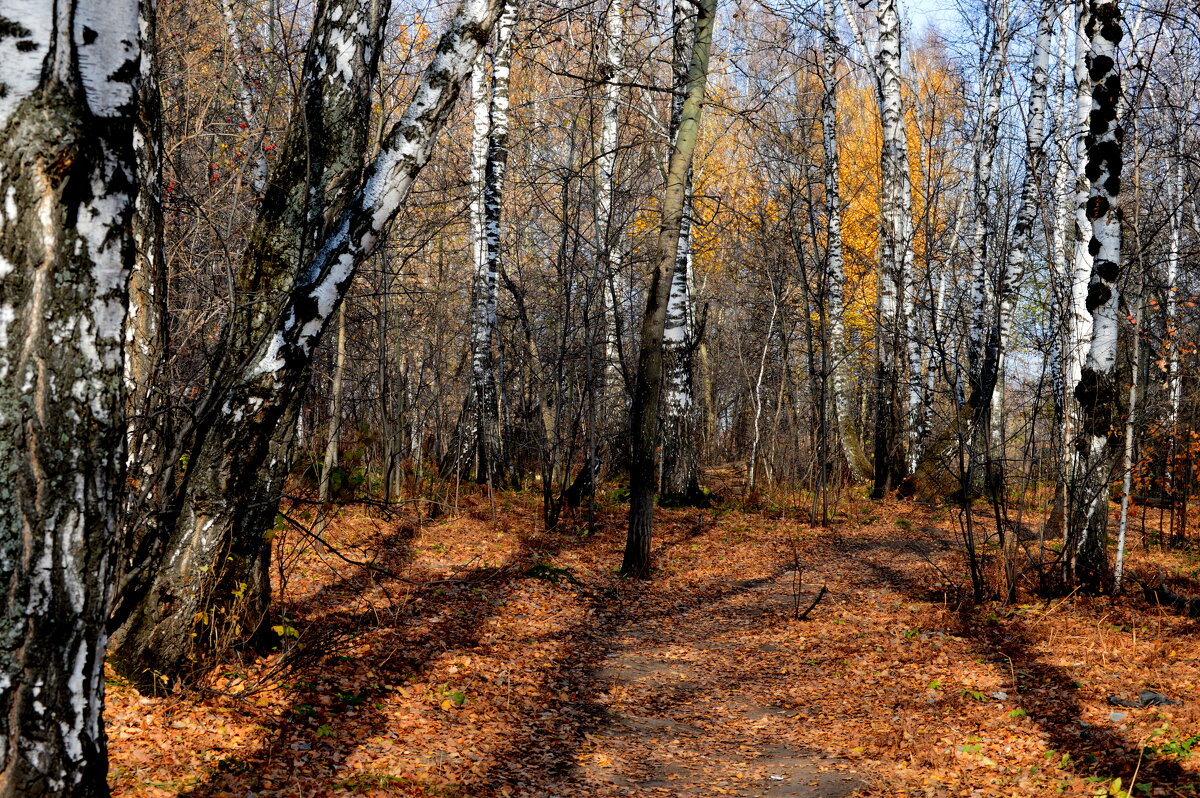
(514, 663)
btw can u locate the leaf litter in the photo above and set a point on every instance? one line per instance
(481, 657)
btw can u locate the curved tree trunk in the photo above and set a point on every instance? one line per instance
(213, 578)
(69, 178)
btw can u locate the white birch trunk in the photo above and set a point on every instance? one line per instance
(1127, 464)
(1061, 264)
(895, 257)
(1171, 303)
(1079, 320)
(484, 288)
(244, 94)
(1021, 243)
(607, 231)
(489, 162)
(835, 279)
(1085, 555)
(984, 360)
(752, 471)
(69, 177)
(680, 477)
(335, 411)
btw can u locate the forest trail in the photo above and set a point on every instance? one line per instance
(478, 657)
(704, 727)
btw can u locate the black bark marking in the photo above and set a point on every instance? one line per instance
(1107, 270)
(1100, 397)
(125, 73)
(89, 35)
(1097, 207)
(11, 29)
(1100, 66)
(1098, 294)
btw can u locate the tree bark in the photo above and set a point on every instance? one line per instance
(1061, 268)
(649, 381)
(1079, 319)
(68, 174)
(680, 461)
(1085, 559)
(984, 359)
(150, 429)
(335, 412)
(213, 578)
(608, 229)
(895, 259)
(493, 107)
(839, 365)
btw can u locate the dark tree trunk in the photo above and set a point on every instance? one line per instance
(648, 384)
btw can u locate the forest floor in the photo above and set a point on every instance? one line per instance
(479, 656)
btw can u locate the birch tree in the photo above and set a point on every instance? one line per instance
(322, 215)
(680, 466)
(852, 448)
(1171, 306)
(608, 233)
(489, 163)
(895, 259)
(649, 380)
(1084, 552)
(984, 358)
(68, 178)
(989, 368)
(1079, 318)
(1065, 136)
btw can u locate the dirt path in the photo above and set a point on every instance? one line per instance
(682, 718)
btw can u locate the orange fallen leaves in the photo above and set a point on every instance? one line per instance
(697, 682)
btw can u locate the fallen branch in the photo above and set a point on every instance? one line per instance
(1165, 597)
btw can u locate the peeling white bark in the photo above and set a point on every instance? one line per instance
(404, 152)
(1085, 557)
(68, 178)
